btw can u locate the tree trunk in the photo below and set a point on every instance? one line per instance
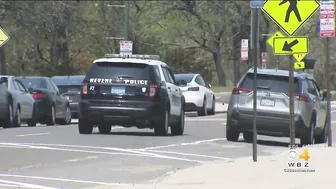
(3, 61)
(219, 69)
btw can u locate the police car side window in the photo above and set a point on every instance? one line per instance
(157, 72)
(171, 75)
(166, 75)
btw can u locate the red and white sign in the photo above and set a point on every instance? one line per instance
(126, 47)
(244, 49)
(327, 18)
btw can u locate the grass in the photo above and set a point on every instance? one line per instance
(217, 89)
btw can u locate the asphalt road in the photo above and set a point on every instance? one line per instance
(58, 157)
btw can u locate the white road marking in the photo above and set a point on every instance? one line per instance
(127, 152)
(182, 144)
(189, 154)
(24, 185)
(33, 134)
(63, 180)
(81, 159)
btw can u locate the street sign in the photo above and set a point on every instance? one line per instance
(244, 49)
(276, 34)
(290, 15)
(290, 45)
(126, 47)
(327, 18)
(256, 3)
(4, 37)
(299, 57)
(299, 65)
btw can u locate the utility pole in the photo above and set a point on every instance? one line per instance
(126, 18)
(291, 102)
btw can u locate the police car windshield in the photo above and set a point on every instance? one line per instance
(113, 70)
(272, 83)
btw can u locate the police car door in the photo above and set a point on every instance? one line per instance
(171, 91)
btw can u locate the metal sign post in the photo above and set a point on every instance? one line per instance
(291, 102)
(327, 30)
(254, 47)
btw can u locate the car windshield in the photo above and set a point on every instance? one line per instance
(186, 77)
(33, 83)
(64, 81)
(272, 83)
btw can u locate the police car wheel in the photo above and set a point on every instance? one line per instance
(84, 127)
(178, 128)
(161, 128)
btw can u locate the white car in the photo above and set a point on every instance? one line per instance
(198, 96)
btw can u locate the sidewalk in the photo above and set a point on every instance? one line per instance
(267, 173)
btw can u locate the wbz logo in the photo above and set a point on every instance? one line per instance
(298, 160)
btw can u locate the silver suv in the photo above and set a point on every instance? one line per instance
(273, 107)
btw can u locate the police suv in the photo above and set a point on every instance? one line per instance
(131, 91)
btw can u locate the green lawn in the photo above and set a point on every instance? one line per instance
(217, 89)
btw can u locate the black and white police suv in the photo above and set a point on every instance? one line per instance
(134, 91)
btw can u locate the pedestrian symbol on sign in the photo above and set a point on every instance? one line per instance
(292, 8)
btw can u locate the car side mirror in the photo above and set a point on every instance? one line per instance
(181, 83)
(30, 90)
(3, 80)
(209, 86)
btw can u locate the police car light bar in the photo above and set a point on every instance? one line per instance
(140, 56)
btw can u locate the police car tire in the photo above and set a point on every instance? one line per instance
(178, 129)
(162, 127)
(248, 136)
(84, 127)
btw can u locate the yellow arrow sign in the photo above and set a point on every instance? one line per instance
(299, 65)
(290, 15)
(290, 45)
(4, 37)
(299, 57)
(276, 34)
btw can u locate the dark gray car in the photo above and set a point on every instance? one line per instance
(70, 87)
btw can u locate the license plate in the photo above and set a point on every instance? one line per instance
(267, 102)
(118, 90)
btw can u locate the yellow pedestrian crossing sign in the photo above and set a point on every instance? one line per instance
(290, 15)
(299, 65)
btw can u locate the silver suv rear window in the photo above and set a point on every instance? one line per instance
(272, 83)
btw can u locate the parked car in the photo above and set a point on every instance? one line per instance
(273, 107)
(19, 105)
(52, 107)
(197, 94)
(70, 87)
